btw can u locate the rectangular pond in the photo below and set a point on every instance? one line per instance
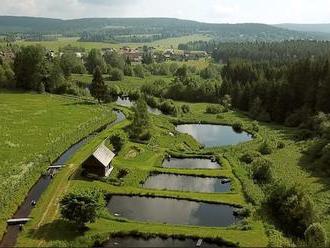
(187, 183)
(130, 241)
(214, 135)
(172, 211)
(190, 163)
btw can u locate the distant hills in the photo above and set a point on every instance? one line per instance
(317, 28)
(107, 28)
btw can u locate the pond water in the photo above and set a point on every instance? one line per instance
(130, 241)
(172, 211)
(126, 102)
(190, 163)
(187, 183)
(214, 135)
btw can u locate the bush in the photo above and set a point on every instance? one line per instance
(152, 101)
(266, 148)
(168, 107)
(139, 71)
(315, 236)
(262, 170)
(280, 145)
(291, 208)
(185, 108)
(122, 173)
(215, 109)
(238, 126)
(118, 141)
(116, 74)
(255, 126)
(250, 156)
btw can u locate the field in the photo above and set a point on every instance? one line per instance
(34, 130)
(159, 44)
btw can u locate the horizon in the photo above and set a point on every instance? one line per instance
(155, 17)
(206, 11)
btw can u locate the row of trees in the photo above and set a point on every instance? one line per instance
(278, 52)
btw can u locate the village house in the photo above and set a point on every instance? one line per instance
(134, 55)
(99, 163)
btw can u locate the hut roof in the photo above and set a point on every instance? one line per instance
(104, 155)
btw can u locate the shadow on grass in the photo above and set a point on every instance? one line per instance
(88, 103)
(58, 230)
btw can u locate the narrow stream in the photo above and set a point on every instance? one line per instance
(24, 210)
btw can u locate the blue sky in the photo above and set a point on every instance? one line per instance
(217, 11)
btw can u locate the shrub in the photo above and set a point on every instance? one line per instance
(215, 109)
(255, 126)
(41, 89)
(152, 101)
(139, 71)
(116, 74)
(185, 108)
(315, 236)
(168, 107)
(291, 208)
(250, 156)
(122, 173)
(280, 145)
(118, 141)
(266, 148)
(262, 170)
(238, 126)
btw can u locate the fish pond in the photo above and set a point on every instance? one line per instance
(190, 163)
(130, 241)
(187, 183)
(214, 135)
(172, 211)
(126, 102)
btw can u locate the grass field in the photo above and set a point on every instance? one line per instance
(34, 130)
(159, 44)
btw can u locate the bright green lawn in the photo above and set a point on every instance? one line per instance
(34, 130)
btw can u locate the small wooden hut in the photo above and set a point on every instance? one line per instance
(99, 163)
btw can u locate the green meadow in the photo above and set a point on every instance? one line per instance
(34, 130)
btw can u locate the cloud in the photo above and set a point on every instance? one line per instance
(227, 11)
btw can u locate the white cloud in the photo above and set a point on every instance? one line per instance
(279, 11)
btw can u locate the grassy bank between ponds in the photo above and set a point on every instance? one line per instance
(46, 227)
(36, 129)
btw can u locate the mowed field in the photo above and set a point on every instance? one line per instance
(34, 130)
(159, 44)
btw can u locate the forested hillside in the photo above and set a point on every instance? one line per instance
(145, 29)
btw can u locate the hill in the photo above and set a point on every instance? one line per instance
(321, 28)
(145, 29)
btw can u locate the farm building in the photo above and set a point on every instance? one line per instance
(99, 163)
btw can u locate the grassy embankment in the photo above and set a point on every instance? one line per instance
(34, 130)
(140, 160)
(159, 44)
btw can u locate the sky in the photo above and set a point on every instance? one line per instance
(213, 11)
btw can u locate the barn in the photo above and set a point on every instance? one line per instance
(99, 163)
